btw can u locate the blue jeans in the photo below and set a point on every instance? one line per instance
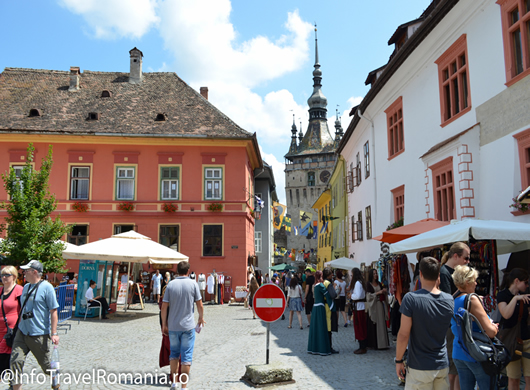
(471, 372)
(181, 345)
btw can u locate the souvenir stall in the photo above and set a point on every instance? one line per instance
(486, 240)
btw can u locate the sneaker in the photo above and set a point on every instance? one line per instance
(345, 325)
(174, 386)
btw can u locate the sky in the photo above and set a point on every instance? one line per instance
(255, 57)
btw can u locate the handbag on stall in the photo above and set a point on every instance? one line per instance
(511, 337)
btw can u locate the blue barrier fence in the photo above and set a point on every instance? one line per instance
(65, 298)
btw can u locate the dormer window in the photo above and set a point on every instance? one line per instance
(106, 94)
(93, 116)
(34, 112)
(160, 117)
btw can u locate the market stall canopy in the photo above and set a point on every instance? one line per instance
(343, 263)
(282, 267)
(510, 236)
(127, 247)
(410, 230)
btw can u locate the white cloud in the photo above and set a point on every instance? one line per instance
(116, 18)
(279, 174)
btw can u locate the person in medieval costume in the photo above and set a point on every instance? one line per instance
(318, 342)
(377, 332)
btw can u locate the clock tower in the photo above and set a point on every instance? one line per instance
(308, 167)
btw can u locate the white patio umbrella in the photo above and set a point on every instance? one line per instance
(510, 236)
(130, 247)
(343, 263)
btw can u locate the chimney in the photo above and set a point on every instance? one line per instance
(74, 78)
(135, 75)
(204, 92)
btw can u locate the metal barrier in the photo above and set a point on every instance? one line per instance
(65, 298)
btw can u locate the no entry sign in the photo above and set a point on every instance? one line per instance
(269, 302)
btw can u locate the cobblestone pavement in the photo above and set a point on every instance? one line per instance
(230, 340)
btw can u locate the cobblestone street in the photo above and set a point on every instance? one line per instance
(230, 340)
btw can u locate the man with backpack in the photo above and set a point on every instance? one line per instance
(428, 365)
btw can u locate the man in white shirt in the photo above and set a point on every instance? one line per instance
(156, 283)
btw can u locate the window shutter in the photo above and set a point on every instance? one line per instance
(355, 180)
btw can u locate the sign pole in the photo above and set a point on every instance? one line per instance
(268, 339)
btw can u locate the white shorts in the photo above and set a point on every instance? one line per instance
(156, 290)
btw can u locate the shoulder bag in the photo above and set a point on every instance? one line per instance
(9, 337)
(511, 337)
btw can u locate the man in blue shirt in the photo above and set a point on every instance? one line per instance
(40, 311)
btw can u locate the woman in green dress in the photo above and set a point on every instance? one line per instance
(318, 343)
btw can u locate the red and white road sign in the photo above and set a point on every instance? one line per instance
(269, 302)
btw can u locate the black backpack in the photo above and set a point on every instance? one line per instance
(491, 353)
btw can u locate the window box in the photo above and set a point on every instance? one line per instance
(125, 206)
(518, 207)
(169, 207)
(80, 207)
(215, 207)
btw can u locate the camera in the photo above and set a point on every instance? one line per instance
(27, 315)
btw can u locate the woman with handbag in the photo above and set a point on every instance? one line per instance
(294, 301)
(469, 370)
(11, 293)
(513, 307)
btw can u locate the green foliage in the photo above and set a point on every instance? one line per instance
(396, 224)
(31, 232)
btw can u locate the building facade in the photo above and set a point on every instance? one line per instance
(140, 151)
(443, 132)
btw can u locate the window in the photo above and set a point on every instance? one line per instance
(453, 76)
(394, 121)
(523, 144)
(125, 183)
(311, 179)
(79, 182)
(312, 193)
(515, 16)
(79, 235)
(291, 197)
(368, 216)
(398, 195)
(305, 193)
(297, 197)
(123, 228)
(169, 236)
(213, 183)
(360, 226)
(18, 173)
(443, 190)
(257, 241)
(169, 183)
(212, 244)
(366, 160)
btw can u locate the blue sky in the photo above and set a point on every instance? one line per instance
(255, 57)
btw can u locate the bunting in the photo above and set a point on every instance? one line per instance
(279, 211)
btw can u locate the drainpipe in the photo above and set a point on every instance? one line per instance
(373, 159)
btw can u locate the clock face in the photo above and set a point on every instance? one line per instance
(324, 176)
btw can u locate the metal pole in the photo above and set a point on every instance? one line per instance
(127, 293)
(268, 339)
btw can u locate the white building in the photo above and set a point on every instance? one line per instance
(444, 131)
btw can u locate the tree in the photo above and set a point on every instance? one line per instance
(31, 232)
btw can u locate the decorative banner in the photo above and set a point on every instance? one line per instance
(287, 223)
(315, 230)
(324, 228)
(279, 211)
(305, 223)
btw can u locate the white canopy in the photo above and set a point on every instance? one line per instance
(343, 263)
(510, 236)
(127, 247)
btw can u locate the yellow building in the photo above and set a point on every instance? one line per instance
(323, 205)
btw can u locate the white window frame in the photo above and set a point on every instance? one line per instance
(170, 182)
(129, 175)
(211, 182)
(77, 179)
(258, 241)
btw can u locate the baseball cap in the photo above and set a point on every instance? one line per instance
(35, 264)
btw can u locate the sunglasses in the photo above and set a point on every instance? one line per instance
(467, 258)
(5, 275)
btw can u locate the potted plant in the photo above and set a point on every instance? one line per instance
(396, 224)
(215, 207)
(126, 206)
(518, 206)
(169, 207)
(80, 207)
